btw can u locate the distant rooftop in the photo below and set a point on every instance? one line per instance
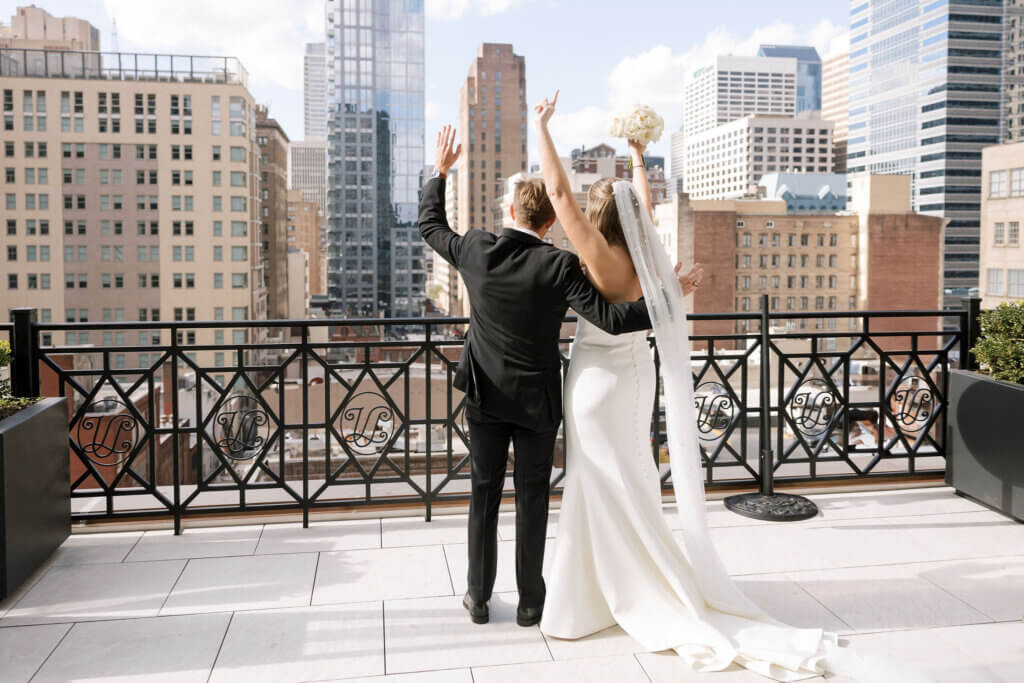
(120, 66)
(802, 52)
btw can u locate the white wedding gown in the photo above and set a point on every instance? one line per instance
(616, 560)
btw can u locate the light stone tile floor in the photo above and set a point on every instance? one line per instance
(920, 575)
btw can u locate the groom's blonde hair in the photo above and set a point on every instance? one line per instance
(530, 200)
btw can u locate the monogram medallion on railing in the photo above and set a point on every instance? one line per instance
(911, 404)
(715, 410)
(107, 432)
(813, 406)
(241, 427)
(367, 422)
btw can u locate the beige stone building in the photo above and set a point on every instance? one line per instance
(298, 284)
(603, 161)
(727, 161)
(272, 142)
(492, 131)
(304, 232)
(877, 257)
(835, 107)
(35, 28)
(1002, 214)
(130, 194)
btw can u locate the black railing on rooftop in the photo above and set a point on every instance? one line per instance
(284, 419)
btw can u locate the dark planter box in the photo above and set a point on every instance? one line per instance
(35, 489)
(986, 441)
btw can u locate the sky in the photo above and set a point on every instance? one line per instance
(603, 56)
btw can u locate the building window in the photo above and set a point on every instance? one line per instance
(997, 184)
(1017, 182)
(995, 281)
(1015, 283)
(998, 233)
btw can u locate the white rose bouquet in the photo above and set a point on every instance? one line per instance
(642, 124)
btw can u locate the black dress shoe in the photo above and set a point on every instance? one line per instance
(478, 611)
(529, 616)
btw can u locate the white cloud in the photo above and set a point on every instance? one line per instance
(455, 9)
(266, 35)
(587, 126)
(658, 77)
(431, 110)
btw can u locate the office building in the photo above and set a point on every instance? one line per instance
(375, 146)
(924, 93)
(733, 87)
(129, 191)
(879, 256)
(677, 161)
(808, 72)
(1013, 70)
(1002, 213)
(34, 28)
(314, 90)
(307, 170)
(492, 131)
(835, 79)
(727, 161)
(304, 232)
(806, 192)
(272, 143)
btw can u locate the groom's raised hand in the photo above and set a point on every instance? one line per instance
(444, 156)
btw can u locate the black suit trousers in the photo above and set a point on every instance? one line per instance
(489, 440)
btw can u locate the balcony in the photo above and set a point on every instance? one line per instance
(918, 574)
(297, 513)
(120, 66)
(328, 415)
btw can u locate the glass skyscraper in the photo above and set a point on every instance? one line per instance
(375, 140)
(808, 72)
(924, 97)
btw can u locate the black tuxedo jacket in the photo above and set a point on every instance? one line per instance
(519, 289)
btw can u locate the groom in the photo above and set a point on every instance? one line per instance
(519, 289)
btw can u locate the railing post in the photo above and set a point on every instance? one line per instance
(766, 504)
(25, 347)
(767, 457)
(971, 333)
(428, 344)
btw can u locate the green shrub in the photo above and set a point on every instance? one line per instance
(1000, 350)
(9, 405)
(5, 360)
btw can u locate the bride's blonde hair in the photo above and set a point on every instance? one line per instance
(603, 214)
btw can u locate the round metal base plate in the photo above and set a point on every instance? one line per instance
(780, 507)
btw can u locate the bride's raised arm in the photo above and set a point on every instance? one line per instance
(640, 182)
(602, 261)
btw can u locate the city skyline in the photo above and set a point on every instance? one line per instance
(642, 65)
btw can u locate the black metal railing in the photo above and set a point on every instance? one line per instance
(167, 427)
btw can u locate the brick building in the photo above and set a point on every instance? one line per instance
(878, 256)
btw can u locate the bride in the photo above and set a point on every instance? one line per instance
(617, 561)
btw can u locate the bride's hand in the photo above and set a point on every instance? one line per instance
(545, 109)
(635, 146)
(690, 281)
